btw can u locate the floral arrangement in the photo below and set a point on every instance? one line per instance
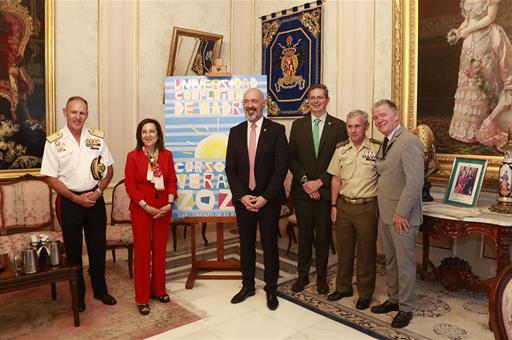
(453, 36)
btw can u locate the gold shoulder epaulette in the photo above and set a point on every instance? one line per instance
(97, 133)
(376, 141)
(340, 144)
(54, 136)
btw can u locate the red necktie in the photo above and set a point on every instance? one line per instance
(252, 156)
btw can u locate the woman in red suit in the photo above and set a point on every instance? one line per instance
(151, 184)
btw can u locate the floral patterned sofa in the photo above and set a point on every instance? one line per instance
(25, 210)
(500, 305)
(119, 232)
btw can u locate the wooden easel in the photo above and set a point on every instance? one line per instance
(220, 263)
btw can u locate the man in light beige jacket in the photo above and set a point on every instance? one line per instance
(400, 167)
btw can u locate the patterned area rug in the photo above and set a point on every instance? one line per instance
(31, 313)
(439, 314)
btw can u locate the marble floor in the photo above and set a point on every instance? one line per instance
(250, 319)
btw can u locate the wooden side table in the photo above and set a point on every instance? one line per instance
(10, 281)
(455, 273)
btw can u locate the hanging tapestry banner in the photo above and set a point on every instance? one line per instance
(291, 56)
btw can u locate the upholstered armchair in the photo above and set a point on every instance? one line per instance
(119, 232)
(500, 305)
(25, 210)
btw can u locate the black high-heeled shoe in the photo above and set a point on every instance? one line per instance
(143, 309)
(162, 298)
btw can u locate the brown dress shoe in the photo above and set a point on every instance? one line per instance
(321, 286)
(363, 304)
(300, 284)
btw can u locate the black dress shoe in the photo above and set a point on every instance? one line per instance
(300, 284)
(321, 286)
(272, 302)
(385, 307)
(107, 299)
(401, 320)
(335, 296)
(81, 306)
(363, 304)
(243, 294)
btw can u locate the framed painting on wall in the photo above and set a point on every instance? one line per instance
(455, 76)
(27, 95)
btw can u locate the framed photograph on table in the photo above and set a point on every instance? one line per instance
(465, 182)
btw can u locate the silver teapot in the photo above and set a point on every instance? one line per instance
(29, 261)
(55, 253)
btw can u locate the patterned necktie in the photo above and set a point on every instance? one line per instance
(252, 156)
(316, 135)
(385, 147)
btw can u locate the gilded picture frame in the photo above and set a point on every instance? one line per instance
(192, 52)
(27, 84)
(406, 72)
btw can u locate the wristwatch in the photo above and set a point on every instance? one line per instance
(304, 179)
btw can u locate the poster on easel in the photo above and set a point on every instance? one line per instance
(199, 112)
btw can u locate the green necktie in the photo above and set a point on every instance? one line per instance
(316, 135)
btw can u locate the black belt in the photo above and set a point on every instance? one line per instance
(83, 192)
(358, 200)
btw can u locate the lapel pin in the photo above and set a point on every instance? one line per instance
(265, 130)
(329, 123)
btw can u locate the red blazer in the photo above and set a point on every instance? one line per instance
(138, 187)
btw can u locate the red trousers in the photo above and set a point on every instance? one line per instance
(149, 239)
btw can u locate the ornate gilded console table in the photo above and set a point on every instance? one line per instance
(455, 273)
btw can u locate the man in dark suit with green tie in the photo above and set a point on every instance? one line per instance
(313, 139)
